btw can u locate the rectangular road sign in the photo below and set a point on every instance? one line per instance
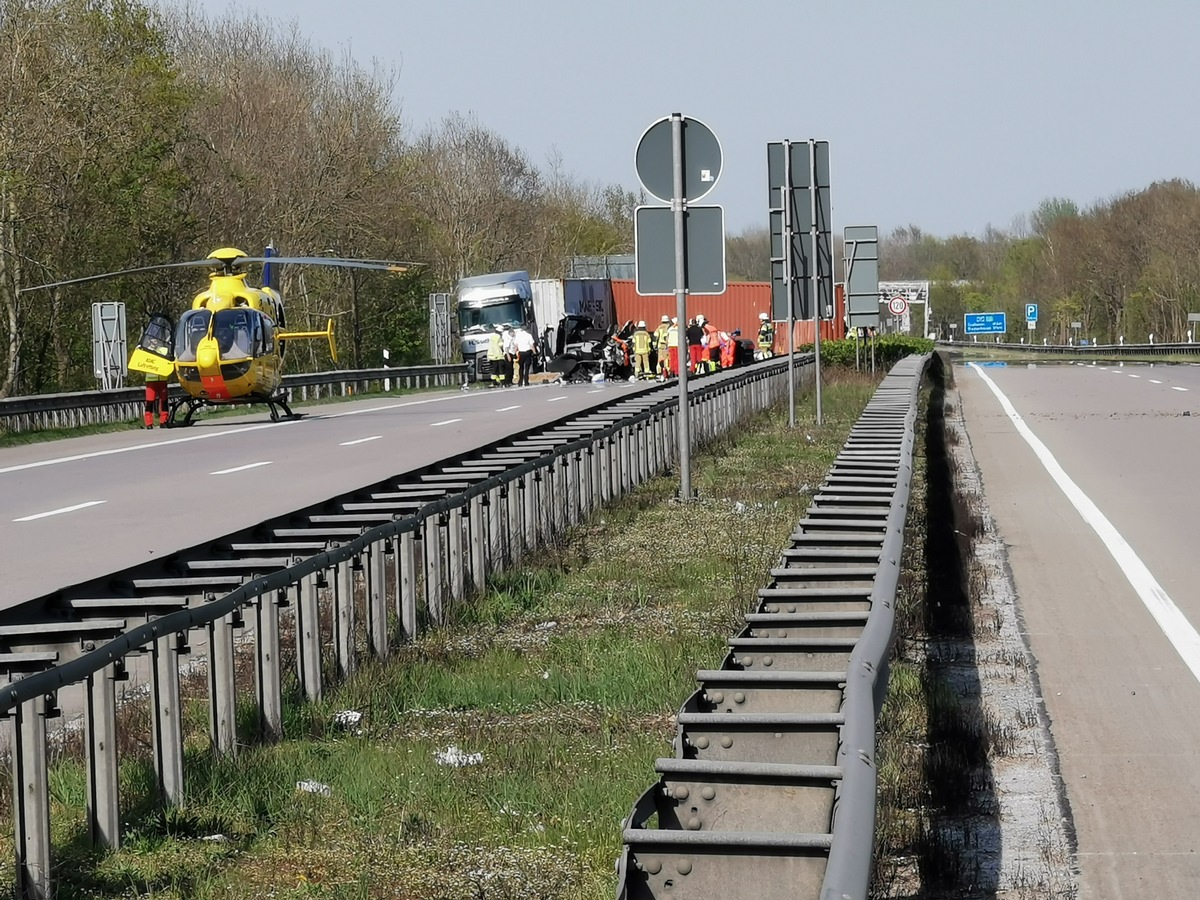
(1031, 312)
(654, 249)
(985, 323)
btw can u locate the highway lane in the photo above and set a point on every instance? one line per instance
(74, 509)
(1109, 598)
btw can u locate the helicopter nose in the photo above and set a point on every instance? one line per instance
(206, 357)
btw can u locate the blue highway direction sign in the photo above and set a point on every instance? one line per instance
(985, 323)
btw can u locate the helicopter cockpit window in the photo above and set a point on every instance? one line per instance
(234, 330)
(192, 327)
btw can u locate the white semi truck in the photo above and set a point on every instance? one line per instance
(485, 301)
(512, 298)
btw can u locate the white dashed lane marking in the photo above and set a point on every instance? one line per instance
(241, 468)
(1177, 388)
(373, 437)
(447, 422)
(556, 399)
(507, 408)
(59, 512)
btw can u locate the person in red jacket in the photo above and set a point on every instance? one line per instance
(156, 400)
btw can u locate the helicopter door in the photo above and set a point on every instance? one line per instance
(155, 353)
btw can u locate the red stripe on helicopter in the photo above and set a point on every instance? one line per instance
(215, 387)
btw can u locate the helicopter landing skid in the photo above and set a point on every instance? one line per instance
(183, 409)
(281, 402)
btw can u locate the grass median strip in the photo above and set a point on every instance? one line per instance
(496, 757)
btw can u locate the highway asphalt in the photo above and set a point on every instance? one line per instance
(1099, 521)
(74, 509)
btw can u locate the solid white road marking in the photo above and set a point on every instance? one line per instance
(1177, 388)
(223, 433)
(447, 422)
(556, 399)
(507, 408)
(1174, 624)
(57, 512)
(241, 468)
(373, 437)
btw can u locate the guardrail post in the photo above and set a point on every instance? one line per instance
(167, 725)
(266, 643)
(222, 687)
(574, 488)
(553, 501)
(431, 538)
(529, 499)
(497, 513)
(454, 552)
(308, 635)
(587, 473)
(100, 720)
(377, 602)
(604, 477)
(516, 524)
(477, 522)
(406, 585)
(31, 801)
(345, 616)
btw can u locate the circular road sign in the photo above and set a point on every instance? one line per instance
(655, 160)
(898, 306)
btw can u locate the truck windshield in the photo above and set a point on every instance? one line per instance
(485, 318)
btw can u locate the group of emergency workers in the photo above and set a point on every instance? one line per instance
(656, 354)
(510, 355)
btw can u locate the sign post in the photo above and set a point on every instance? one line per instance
(678, 160)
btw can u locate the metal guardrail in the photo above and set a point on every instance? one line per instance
(1082, 350)
(772, 790)
(424, 555)
(73, 410)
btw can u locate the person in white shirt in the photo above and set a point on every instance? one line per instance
(525, 345)
(510, 353)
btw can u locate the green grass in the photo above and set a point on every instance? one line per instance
(565, 677)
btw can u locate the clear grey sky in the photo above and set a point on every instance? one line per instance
(947, 114)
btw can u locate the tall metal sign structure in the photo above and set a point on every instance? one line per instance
(441, 340)
(860, 245)
(914, 293)
(109, 345)
(678, 161)
(801, 246)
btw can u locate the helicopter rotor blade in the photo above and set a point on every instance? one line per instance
(206, 263)
(382, 265)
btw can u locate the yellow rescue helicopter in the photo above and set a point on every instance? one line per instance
(228, 348)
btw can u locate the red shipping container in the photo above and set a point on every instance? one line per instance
(738, 307)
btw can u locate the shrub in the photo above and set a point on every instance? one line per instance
(889, 349)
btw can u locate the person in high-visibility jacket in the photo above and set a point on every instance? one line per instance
(156, 400)
(766, 337)
(495, 355)
(727, 349)
(662, 363)
(673, 347)
(641, 352)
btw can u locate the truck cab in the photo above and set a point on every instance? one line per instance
(485, 301)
